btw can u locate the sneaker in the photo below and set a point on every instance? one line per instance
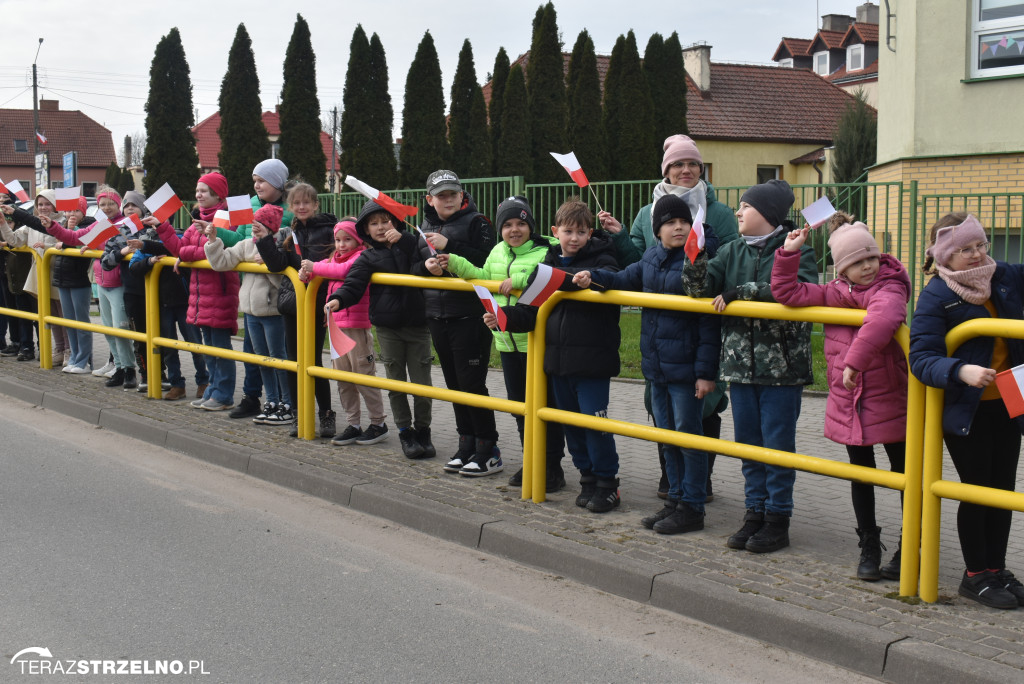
(117, 379)
(423, 437)
(410, 447)
(249, 406)
(143, 387)
(588, 485)
(516, 480)
(197, 403)
(76, 370)
(464, 454)
(373, 434)
(212, 404)
(284, 416)
(67, 357)
(554, 482)
(9, 350)
(328, 423)
(131, 381)
(1011, 584)
(606, 496)
(480, 466)
(27, 355)
(269, 409)
(110, 373)
(101, 372)
(174, 394)
(987, 589)
(349, 436)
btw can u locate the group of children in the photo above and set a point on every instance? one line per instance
(685, 355)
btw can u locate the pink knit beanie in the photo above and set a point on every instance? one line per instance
(850, 243)
(953, 238)
(677, 148)
(350, 228)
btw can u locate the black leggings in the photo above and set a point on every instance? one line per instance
(864, 494)
(986, 456)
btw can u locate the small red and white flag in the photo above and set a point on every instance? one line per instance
(98, 234)
(3, 188)
(341, 343)
(1011, 388)
(132, 222)
(163, 203)
(572, 166)
(14, 188)
(487, 299)
(545, 283)
(41, 137)
(695, 240)
(433, 252)
(240, 209)
(67, 198)
(222, 219)
(390, 205)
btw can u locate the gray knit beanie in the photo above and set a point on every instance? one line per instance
(273, 171)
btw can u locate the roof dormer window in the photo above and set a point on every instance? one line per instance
(821, 63)
(787, 63)
(855, 57)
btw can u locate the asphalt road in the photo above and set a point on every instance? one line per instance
(114, 550)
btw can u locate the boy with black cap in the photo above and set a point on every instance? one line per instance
(766, 361)
(452, 224)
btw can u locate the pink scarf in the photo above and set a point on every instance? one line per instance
(973, 285)
(207, 214)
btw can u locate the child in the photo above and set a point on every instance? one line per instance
(766, 361)
(581, 353)
(983, 441)
(397, 313)
(354, 322)
(511, 261)
(212, 296)
(679, 353)
(452, 224)
(257, 299)
(867, 370)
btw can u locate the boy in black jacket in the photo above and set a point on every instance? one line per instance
(581, 352)
(398, 315)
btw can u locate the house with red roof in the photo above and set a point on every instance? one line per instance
(64, 131)
(208, 142)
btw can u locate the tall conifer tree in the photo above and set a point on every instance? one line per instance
(424, 132)
(479, 143)
(628, 114)
(301, 148)
(467, 123)
(583, 95)
(243, 137)
(545, 85)
(356, 122)
(170, 155)
(381, 153)
(666, 79)
(514, 156)
(494, 111)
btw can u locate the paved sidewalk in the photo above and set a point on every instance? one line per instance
(805, 598)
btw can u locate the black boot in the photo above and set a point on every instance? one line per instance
(870, 554)
(752, 522)
(117, 379)
(772, 536)
(668, 509)
(606, 495)
(423, 437)
(249, 406)
(410, 447)
(891, 570)
(588, 485)
(464, 454)
(684, 519)
(130, 380)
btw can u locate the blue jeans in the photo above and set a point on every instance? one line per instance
(171, 316)
(222, 373)
(74, 302)
(252, 381)
(592, 451)
(766, 416)
(113, 315)
(676, 408)
(267, 339)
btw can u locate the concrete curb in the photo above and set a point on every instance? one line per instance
(918, 662)
(302, 477)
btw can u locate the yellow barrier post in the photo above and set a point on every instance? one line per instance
(305, 306)
(154, 360)
(43, 311)
(912, 494)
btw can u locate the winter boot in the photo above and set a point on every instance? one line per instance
(464, 454)
(752, 522)
(772, 536)
(117, 379)
(249, 406)
(588, 485)
(410, 447)
(684, 519)
(423, 437)
(130, 379)
(668, 509)
(891, 570)
(870, 554)
(606, 496)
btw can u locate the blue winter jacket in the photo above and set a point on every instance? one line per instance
(676, 346)
(938, 311)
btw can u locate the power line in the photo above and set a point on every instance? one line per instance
(16, 96)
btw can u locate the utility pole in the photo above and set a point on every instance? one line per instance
(35, 110)
(334, 142)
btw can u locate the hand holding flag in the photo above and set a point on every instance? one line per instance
(390, 205)
(99, 233)
(487, 299)
(545, 283)
(695, 240)
(240, 210)
(341, 343)
(818, 212)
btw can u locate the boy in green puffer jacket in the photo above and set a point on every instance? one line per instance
(512, 261)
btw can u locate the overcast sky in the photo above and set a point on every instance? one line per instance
(95, 56)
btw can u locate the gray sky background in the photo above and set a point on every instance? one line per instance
(96, 57)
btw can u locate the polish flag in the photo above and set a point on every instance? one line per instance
(1011, 388)
(433, 251)
(14, 188)
(98, 235)
(695, 240)
(163, 203)
(222, 219)
(390, 205)
(341, 343)
(41, 137)
(132, 222)
(240, 208)
(545, 283)
(487, 299)
(572, 166)
(67, 198)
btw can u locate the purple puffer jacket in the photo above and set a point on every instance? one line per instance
(212, 295)
(336, 268)
(875, 411)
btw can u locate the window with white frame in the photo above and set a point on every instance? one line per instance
(786, 63)
(821, 63)
(767, 173)
(855, 57)
(997, 38)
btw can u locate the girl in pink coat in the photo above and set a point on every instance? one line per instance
(867, 370)
(354, 322)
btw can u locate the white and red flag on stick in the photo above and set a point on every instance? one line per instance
(487, 299)
(341, 343)
(572, 166)
(98, 235)
(390, 205)
(545, 283)
(163, 203)
(1011, 388)
(41, 137)
(433, 251)
(240, 210)
(132, 222)
(695, 240)
(67, 198)
(14, 188)
(222, 219)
